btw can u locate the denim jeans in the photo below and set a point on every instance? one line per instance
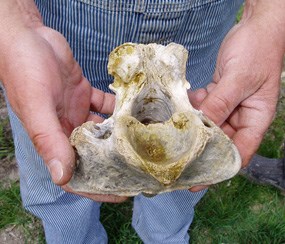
(93, 28)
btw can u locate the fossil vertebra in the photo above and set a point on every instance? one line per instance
(155, 141)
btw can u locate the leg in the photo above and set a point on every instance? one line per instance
(165, 218)
(266, 171)
(71, 219)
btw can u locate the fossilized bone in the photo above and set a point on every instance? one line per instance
(155, 141)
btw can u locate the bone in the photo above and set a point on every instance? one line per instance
(155, 141)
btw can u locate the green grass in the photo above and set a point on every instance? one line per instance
(235, 211)
(13, 215)
(238, 211)
(11, 212)
(116, 219)
(239, 14)
(273, 142)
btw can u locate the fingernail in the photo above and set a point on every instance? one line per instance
(55, 169)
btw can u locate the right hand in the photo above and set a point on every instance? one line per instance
(49, 94)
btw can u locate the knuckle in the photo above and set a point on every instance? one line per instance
(223, 105)
(40, 142)
(218, 109)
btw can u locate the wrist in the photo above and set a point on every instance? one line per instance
(269, 16)
(18, 13)
(17, 17)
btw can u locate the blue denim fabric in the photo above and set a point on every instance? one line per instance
(93, 28)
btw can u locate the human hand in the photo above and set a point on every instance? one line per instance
(49, 94)
(243, 95)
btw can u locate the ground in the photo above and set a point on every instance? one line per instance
(8, 167)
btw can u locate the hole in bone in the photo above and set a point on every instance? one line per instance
(206, 122)
(101, 132)
(106, 135)
(147, 121)
(152, 106)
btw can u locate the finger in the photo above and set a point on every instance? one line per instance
(197, 97)
(211, 87)
(228, 129)
(198, 188)
(96, 118)
(79, 105)
(98, 197)
(102, 102)
(247, 141)
(223, 99)
(104, 198)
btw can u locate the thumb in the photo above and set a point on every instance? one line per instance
(223, 97)
(52, 144)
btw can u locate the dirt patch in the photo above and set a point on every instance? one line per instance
(8, 165)
(8, 171)
(12, 235)
(22, 234)
(3, 109)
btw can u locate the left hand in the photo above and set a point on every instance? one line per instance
(243, 95)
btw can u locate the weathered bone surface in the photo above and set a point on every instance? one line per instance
(155, 141)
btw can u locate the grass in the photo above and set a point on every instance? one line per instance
(14, 216)
(10, 206)
(273, 142)
(116, 219)
(238, 211)
(235, 211)
(239, 14)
